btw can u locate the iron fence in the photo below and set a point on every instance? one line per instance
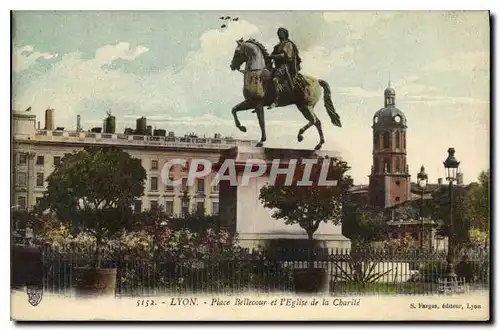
(362, 272)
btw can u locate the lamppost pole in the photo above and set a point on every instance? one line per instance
(451, 165)
(422, 184)
(185, 204)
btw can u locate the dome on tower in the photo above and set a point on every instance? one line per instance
(389, 91)
(389, 115)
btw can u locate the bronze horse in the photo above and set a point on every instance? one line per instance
(259, 91)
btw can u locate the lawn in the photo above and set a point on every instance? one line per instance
(383, 288)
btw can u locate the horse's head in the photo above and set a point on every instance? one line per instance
(239, 56)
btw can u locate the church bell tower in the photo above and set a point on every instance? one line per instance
(389, 177)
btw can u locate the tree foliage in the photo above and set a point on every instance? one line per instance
(471, 209)
(440, 211)
(477, 203)
(363, 224)
(93, 190)
(309, 205)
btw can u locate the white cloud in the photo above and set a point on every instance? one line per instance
(122, 50)
(357, 21)
(409, 90)
(359, 92)
(442, 100)
(462, 62)
(25, 56)
(319, 61)
(74, 81)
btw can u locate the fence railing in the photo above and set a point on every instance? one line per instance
(226, 271)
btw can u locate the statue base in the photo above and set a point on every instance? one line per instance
(242, 212)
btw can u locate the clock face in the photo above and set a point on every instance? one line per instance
(375, 119)
(397, 119)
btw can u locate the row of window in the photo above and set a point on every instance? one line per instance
(22, 179)
(200, 185)
(154, 166)
(40, 159)
(169, 207)
(153, 204)
(386, 140)
(399, 165)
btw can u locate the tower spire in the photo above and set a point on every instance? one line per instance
(389, 85)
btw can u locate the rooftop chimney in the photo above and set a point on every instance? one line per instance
(78, 125)
(440, 181)
(49, 119)
(460, 178)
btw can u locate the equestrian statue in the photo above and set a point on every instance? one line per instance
(274, 80)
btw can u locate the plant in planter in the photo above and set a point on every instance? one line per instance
(308, 206)
(92, 191)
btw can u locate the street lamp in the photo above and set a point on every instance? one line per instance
(422, 184)
(451, 166)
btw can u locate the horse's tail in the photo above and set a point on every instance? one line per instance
(330, 109)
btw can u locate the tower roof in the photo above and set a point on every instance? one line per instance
(389, 115)
(389, 91)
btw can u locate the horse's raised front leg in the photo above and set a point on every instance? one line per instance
(262, 123)
(245, 105)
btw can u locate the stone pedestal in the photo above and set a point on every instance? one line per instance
(241, 210)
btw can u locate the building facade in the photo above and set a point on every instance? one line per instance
(389, 178)
(36, 152)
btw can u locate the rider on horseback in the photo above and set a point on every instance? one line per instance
(286, 66)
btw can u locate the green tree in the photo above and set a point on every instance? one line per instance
(309, 206)
(477, 203)
(439, 210)
(92, 190)
(363, 224)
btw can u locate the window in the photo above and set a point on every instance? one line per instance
(38, 200)
(185, 208)
(200, 208)
(137, 206)
(57, 160)
(215, 188)
(39, 179)
(215, 208)
(387, 140)
(387, 165)
(169, 208)
(184, 184)
(22, 158)
(154, 204)
(154, 183)
(40, 160)
(21, 202)
(397, 199)
(398, 164)
(200, 184)
(398, 140)
(21, 179)
(169, 188)
(398, 183)
(376, 139)
(154, 164)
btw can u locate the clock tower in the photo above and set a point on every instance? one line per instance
(389, 177)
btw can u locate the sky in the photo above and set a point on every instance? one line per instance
(173, 68)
